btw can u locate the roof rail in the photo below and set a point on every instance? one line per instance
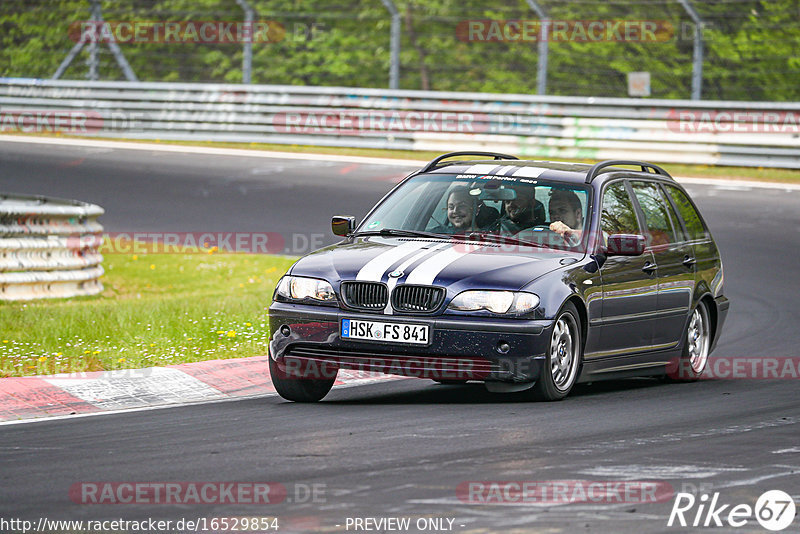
(597, 168)
(433, 163)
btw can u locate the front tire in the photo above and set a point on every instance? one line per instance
(296, 388)
(564, 357)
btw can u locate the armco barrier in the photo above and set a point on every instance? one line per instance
(759, 134)
(48, 248)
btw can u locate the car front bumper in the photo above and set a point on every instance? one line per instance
(304, 338)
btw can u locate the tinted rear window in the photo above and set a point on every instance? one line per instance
(691, 219)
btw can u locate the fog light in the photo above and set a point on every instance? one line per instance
(503, 347)
(286, 331)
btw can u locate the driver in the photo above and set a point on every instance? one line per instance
(566, 215)
(522, 212)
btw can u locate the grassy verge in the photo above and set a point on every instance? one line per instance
(698, 171)
(156, 309)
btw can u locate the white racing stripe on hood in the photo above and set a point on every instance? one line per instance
(373, 270)
(415, 258)
(428, 270)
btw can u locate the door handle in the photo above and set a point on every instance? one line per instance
(649, 268)
(689, 261)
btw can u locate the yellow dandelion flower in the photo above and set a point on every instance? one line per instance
(95, 352)
(152, 344)
(241, 285)
(248, 324)
(121, 360)
(5, 341)
(152, 266)
(135, 257)
(231, 333)
(86, 352)
(189, 338)
(220, 331)
(42, 358)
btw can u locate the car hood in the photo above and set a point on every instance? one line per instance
(456, 265)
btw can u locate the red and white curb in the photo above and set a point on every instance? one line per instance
(36, 397)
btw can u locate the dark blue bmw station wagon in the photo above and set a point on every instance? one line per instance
(525, 275)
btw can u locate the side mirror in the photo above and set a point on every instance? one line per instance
(343, 224)
(625, 245)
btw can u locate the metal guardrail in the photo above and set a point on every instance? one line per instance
(755, 134)
(49, 248)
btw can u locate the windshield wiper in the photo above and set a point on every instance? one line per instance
(505, 239)
(394, 232)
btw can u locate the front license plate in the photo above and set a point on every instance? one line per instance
(391, 332)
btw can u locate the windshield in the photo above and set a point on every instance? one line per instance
(551, 214)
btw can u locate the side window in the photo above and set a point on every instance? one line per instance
(676, 222)
(618, 215)
(656, 213)
(694, 225)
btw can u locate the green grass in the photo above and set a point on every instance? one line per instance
(156, 309)
(695, 171)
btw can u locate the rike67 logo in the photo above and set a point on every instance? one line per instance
(774, 510)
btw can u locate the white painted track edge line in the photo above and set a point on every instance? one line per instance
(188, 149)
(210, 151)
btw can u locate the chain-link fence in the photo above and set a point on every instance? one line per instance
(744, 49)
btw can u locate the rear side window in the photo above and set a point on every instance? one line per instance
(691, 219)
(676, 221)
(618, 216)
(656, 213)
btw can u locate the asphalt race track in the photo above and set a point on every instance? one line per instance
(406, 448)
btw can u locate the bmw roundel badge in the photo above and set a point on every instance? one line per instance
(396, 274)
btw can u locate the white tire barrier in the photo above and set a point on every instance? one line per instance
(49, 248)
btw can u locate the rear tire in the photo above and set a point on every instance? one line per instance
(564, 357)
(696, 345)
(299, 389)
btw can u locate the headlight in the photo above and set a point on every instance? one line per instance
(509, 302)
(299, 288)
